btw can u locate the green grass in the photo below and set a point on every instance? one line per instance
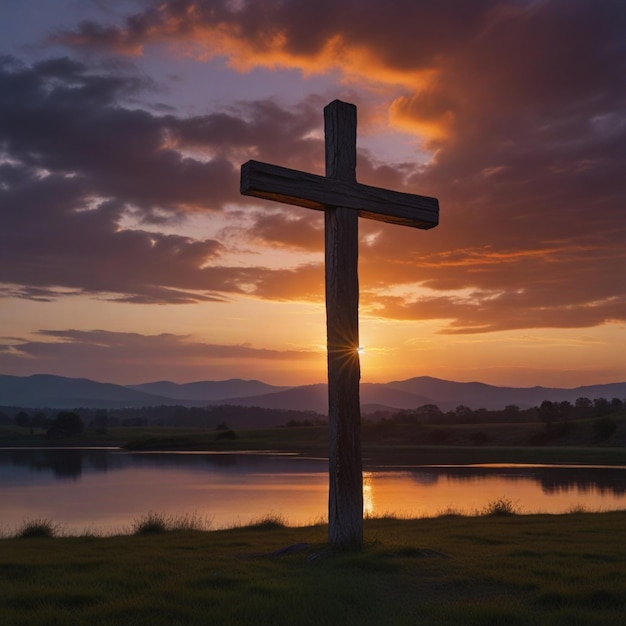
(495, 569)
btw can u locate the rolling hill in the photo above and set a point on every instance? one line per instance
(207, 390)
(46, 391)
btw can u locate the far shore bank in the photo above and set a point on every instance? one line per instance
(312, 442)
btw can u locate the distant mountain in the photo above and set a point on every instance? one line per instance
(306, 398)
(208, 390)
(315, 398)
(384, 394)
(448, 395)
(58, 392)
(415, 392)
(44, 391)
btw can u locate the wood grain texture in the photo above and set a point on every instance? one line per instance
(345, 494)
(343, 201)
(282, 184)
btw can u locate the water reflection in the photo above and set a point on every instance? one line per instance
(553, 478)
(70, 463)
(63, 464)
(106, 490)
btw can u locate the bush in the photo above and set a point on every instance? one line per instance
(501, 506)
(268, 522)
(153, 523)
(36, 528)
(150, 524)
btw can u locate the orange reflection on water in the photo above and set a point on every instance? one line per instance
(432, 493)
(368, 501)
(108, 491)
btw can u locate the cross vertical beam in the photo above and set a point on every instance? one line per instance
(345, 498)
(342, 199)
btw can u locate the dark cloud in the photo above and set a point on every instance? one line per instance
(52, 240)
(522, 103)
(405, 33)
(74, 161)
(150, 346)
(129, 356)
(302, 230)
(261, 128)
(480, 312)
(59, 116)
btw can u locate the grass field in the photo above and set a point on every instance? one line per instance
(485, 570)
(499, 569)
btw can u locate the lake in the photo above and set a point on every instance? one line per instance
(105, 490)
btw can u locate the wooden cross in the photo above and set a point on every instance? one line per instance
(343, 200)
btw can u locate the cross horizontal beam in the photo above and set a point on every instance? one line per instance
(311, 191)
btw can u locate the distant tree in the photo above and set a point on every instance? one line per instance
(601, 406)
(548, 412)
(65, 424)
(481, 415)
(406, 416)
(22, 419)
(429, 413)
(565, 409)
(40, 420)
(100, 421)
(617, 405)
(511, 412)
(583, 404)
(463, 412)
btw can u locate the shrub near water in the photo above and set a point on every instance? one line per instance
(36, 528)
(501, 506)
(153, 523)
(149, 524)
(267, 522)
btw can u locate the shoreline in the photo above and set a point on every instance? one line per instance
(537, 569)
(374, 455)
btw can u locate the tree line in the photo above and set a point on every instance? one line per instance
(70, 423)
(547, 412)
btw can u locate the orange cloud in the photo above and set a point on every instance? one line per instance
(255, 37)
(524, 108)
(425, 113)
(197, 33)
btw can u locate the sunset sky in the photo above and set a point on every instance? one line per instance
(127, 253)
